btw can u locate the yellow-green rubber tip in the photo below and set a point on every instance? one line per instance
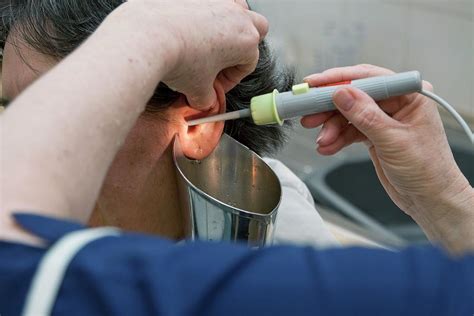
(264, 109)
(300, 88)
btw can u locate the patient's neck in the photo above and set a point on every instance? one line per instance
(143, 200)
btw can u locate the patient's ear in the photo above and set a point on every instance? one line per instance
(199, 141)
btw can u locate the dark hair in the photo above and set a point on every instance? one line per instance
(56, 28)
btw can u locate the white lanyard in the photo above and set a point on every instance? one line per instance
(52, 268)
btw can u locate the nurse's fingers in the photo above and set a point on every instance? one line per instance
(331, 130)
(260, 23)
(316, 120)
(336, 75)
(348, 137)
(242, 3)
(232, 76)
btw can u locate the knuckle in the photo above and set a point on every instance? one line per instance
(373, 70)
(250, 64)
(255, 36)
(256, 56)
(366, 66)
(369, 118)
(334, 70)
(252, 39)
(364, 70)
(265, 26)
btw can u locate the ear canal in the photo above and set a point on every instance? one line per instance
(199, 141)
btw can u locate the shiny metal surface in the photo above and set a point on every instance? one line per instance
(232, 195)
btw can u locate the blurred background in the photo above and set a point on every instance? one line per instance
(433, 36)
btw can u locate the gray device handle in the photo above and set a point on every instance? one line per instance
(307, 101)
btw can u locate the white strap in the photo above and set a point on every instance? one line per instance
(52, 268)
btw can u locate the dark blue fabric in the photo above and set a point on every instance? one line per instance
(142, 275)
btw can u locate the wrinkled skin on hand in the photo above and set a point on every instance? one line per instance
(406, 140)
(204, 54)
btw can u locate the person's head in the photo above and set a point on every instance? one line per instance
(37, 34)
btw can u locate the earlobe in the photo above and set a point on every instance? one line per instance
(199, 141)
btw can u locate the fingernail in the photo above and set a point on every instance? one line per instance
(320, 135)
(344, 99)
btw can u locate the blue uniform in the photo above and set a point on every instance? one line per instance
(135, 274)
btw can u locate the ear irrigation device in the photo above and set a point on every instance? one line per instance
(275, 107)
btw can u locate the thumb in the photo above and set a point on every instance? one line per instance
(203, 100)
(362, 111)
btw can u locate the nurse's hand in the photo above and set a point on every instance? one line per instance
(407, 144)
(205, 40)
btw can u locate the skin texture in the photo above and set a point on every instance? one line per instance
(57, 28)
(139, 192)
(66, 151)
(234, 65)
(410, 152)
(441, 207)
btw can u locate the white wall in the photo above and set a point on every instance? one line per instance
(433, 36)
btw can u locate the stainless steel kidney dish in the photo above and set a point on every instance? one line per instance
(232, 195)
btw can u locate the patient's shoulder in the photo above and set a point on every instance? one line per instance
(298, 222)
(289, 180)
